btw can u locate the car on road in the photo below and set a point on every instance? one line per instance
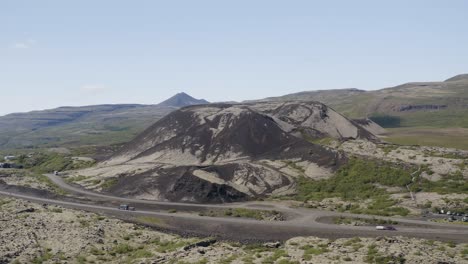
(126, 207)
(388, 228)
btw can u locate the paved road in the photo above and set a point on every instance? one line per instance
(304, 221)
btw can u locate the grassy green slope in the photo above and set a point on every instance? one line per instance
(388, 103)
(429, 136)
(103, 125)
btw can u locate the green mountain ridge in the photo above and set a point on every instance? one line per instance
(89, 125)
(434, 104)
(431, 107)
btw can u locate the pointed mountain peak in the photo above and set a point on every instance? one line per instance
(182, 99)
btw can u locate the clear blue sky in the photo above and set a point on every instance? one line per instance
(55, 53)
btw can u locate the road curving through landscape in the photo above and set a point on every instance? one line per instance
(306, 222)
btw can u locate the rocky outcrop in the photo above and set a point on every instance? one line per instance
(370, 126)
(404, 108)
(314, 120)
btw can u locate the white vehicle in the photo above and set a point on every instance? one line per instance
(389, 228)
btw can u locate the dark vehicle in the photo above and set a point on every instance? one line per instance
(5, 165)
(126, 207)
(10, 166)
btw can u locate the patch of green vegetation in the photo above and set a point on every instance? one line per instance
(286, 261)
(445, 155)
(464, 252)
(388, 148)
(44, 257)
(437, 119)
(76, 179)
(381, 205)
(310, 250)
(255, 248)
(96, 182)
(249, 259)
(243, 212)
(56, 210)
(84, 222)
(97, 252)
(4, 201)
(109, 183)
(451, 244)
(429, 136)
(121, 249)
(100, 218)
(168, 245)
(202, 261)
(228, 260)
(293, 165)
(357, 181)
(45, 162)
(150, 220)
(36, 177)
(81, 259)
(454, 183)
(429, 242)
(374, 256)
(326, 141)
(45, 180)
(372, 221)
(141, 253)
(277, 254)
(352, 241)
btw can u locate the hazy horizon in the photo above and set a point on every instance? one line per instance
(57, 53)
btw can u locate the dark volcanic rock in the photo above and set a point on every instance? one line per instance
(404, 108)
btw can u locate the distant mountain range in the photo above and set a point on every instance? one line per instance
(434, 104)
(97, 124)
(419, 104)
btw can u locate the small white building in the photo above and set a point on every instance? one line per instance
(8, 158)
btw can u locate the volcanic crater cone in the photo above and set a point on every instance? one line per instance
(225, 152)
